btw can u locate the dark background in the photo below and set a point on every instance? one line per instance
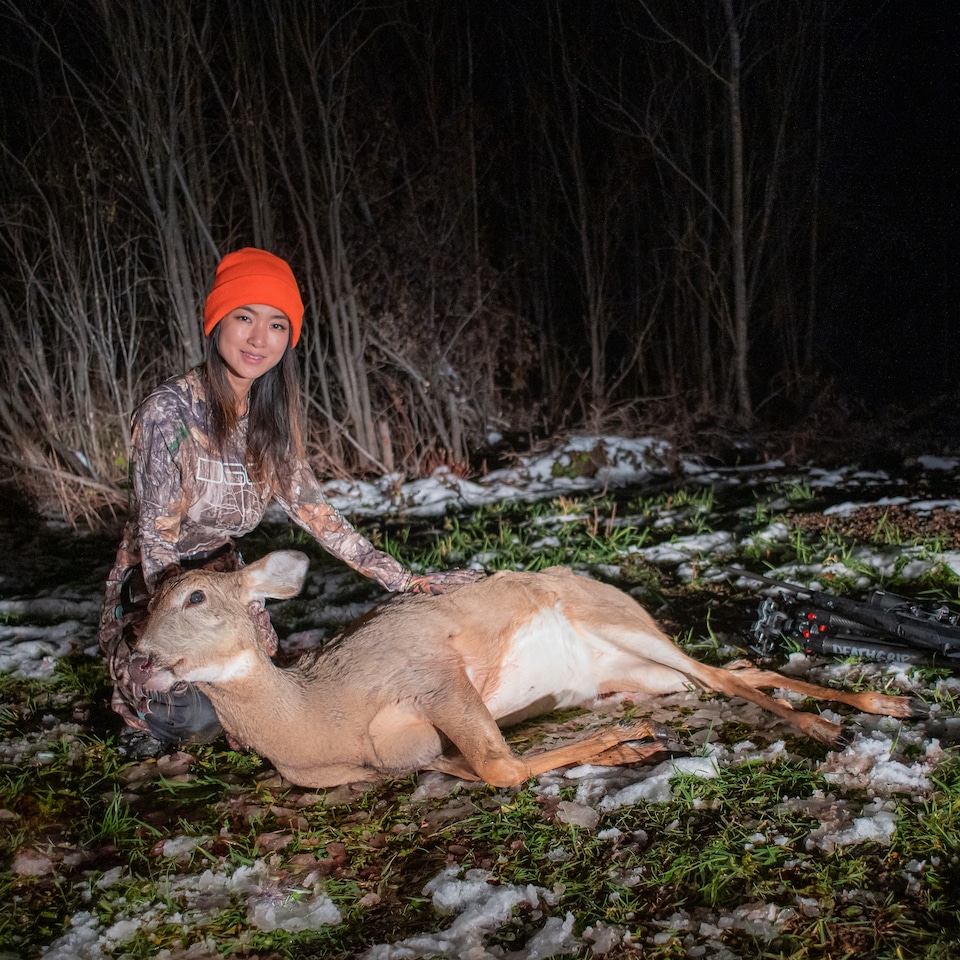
(532, 213)
(891, 327)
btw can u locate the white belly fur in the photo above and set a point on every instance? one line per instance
(547, 661)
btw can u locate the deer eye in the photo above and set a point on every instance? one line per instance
(196, 597)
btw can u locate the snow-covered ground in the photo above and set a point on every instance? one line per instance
(885, 759)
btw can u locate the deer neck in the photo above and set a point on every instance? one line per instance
(258, 707)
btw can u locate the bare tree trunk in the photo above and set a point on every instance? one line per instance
(741, 310)
(814, 238)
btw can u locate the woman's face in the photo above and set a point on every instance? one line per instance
(252, 341)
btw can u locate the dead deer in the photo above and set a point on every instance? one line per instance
(419, 670)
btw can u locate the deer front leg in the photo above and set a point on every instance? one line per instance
(611, 747)
(457, 709)
(461, 714)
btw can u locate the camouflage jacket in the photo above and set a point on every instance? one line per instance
(191, 499)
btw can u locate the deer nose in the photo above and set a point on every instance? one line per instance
(140, 669)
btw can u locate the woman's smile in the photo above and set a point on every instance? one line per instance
(252, 340)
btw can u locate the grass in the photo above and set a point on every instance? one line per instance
(682, 876)
(563, 532)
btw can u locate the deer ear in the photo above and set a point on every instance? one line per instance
(279, 575)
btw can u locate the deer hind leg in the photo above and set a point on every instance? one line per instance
(732, 684)
(666, 668)
(660, 666)
(745, 682)
(866, 701)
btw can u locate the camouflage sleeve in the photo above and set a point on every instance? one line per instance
(305, 504)
(161, 497)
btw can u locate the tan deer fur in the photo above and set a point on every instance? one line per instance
(422, 670)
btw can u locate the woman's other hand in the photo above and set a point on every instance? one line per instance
(437, 583)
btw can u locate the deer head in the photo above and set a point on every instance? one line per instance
(202, 626)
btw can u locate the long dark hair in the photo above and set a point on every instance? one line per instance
(274, 430)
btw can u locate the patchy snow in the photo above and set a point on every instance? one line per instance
(946, 464)
(583, 464)
(479, 907)
(876, 765)
(195, 900)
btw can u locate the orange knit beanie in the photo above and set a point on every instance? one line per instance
(251, 276)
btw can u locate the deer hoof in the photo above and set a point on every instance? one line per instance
(918, 710)
(843, 739)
